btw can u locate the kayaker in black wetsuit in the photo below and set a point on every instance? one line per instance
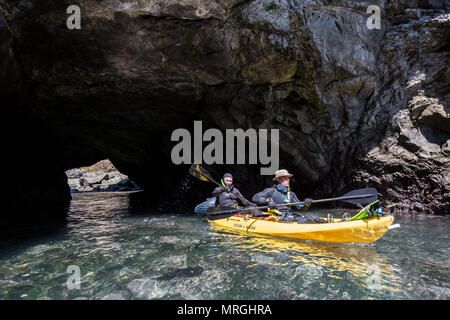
(229, 195)
(280, 193)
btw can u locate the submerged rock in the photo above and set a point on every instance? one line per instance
(169, 239)
(182, 273)
(179, 261)
(147, 289)
(114, 296)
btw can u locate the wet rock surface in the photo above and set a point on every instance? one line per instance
(100, 177)
(355, 107)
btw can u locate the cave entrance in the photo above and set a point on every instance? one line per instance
(102, 176)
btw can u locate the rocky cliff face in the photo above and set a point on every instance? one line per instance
(411, 158)
(354, 106)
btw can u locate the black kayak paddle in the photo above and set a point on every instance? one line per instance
(360, 196)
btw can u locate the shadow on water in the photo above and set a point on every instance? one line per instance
(95, 212)
(360, 261)
(39, 230)
(100, 210)
(20, 239)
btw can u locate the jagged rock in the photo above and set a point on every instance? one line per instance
(96, 178)
(87, 189)
(74, 174)
(101, 176)
(74, 183)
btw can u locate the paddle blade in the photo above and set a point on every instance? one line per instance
(214, 213)
(361, 196)
(199, 172)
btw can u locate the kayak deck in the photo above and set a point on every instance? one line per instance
(362, 231)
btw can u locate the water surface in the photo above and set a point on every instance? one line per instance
(124, 251)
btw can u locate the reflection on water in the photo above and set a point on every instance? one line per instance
(126, 252)
(358, 261)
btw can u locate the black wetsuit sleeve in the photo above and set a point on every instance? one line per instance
(217, 191)
(261, 197)
(294, 199)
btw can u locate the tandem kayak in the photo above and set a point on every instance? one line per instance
(362, 231)
(367, 226)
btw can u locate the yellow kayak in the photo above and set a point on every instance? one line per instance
(362, 231)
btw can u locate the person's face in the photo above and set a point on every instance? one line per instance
(228, 181)
(284, 181)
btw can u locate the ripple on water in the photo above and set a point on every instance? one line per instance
(147, 256)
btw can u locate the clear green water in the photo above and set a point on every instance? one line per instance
(125, 252)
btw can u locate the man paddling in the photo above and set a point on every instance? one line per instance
(228, 195)
(280, 194)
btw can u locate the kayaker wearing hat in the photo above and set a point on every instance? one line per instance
(228, 195)
(280, 193)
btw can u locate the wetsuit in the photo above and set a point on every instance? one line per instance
(279, 194)
(229, 197)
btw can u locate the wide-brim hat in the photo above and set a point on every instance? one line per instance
(281, 173)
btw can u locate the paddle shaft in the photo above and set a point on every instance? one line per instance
(341, 198)
(348, 196)
(297, 203)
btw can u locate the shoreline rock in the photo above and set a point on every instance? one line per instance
(100, 177)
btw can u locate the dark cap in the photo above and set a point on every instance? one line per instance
(227, 175)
